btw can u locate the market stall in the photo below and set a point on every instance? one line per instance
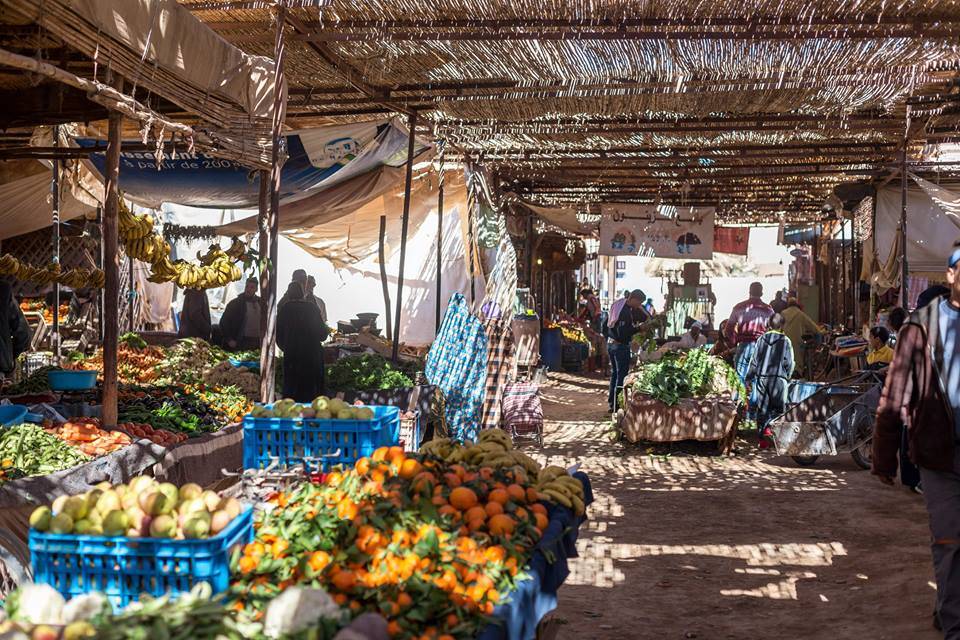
(454, 541)
(688, 396)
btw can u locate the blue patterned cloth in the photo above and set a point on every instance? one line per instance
(536, 596)
(457, 363)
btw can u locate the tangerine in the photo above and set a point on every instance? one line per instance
(501, 525)
(453, 480)
(409, 469)
(380, 454)
(538, 508)
(463, 498)
(499, 495)
(517, 493)
(344, 580)
(451, 511)
(475, 512)
(493, 508)
(533, 495)
(476, 524)
(542, 520)
(362, 465)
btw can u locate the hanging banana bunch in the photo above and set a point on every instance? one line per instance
(216, 268)
(42, 276)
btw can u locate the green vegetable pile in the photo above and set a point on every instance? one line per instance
(368, 372)
(36, 382)
(35, 452)
(133, 340)
(694, 374)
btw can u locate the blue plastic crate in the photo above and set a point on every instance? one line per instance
(124, 568)
(297, 442)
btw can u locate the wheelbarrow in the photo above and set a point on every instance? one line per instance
(835, 419)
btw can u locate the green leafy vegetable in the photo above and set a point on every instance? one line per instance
(368, 372)
(688, 375)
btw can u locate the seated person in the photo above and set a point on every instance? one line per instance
(692, 339)
(880, 352)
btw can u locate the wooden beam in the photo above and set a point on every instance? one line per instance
(478, 92)
(111, 267)
(269, 293)
(408, 183)
(342, 67)
(600, 28)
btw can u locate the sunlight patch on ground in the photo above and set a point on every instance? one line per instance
(596, 565)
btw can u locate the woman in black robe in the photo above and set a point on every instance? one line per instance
(300, 334)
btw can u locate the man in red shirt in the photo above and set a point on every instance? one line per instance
(748, 321)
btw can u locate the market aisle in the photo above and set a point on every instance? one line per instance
(746, 547)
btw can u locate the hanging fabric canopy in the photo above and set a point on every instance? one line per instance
(317, 160)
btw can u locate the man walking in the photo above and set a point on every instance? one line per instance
(748, 321)
(627, 317)
(922, 393)
(240, 322)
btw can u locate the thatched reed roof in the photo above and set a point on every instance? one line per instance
(758, 107)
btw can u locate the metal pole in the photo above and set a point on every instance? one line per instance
(843, 265)
(873, 243)
(443, 145)
(383, 276)
(111, 293)
(269, 299)
(412, 123)
(131, 294)
(904, 269)
(55, 188)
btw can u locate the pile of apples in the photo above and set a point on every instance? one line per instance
(322, 408)
(142, 508)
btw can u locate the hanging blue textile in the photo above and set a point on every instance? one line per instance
(457, 363)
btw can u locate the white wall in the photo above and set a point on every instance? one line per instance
(763, 250)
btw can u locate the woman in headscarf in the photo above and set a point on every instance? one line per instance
(300, 334)
(769, 371)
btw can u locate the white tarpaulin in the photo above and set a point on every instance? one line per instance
(27, 201)
(664, 232)
(565, 219)
(168, 37)
(931, 230)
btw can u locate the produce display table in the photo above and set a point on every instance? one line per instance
(202, 459)
(536, 595)
(18, 498)
(647, 419)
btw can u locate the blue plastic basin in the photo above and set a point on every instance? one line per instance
(72, 380)
(11, 414)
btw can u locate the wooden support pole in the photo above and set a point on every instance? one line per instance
(408, 185)
(111, 266)
(131, 296)
(442, 144)
(383, 275)
(269, 293)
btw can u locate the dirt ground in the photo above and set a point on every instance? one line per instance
(747, 546)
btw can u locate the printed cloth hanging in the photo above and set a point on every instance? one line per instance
(457, 363)
(499, 366)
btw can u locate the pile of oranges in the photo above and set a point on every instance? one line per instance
(431, 546)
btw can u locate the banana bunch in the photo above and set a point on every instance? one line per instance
(132, 227)
(237, 249)
(150, 248)
(206, 276)
(163, 270)
(439, 448)
(81, 278)
(556, 485)
(9, 266)
(494, 449)
(73, 278)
